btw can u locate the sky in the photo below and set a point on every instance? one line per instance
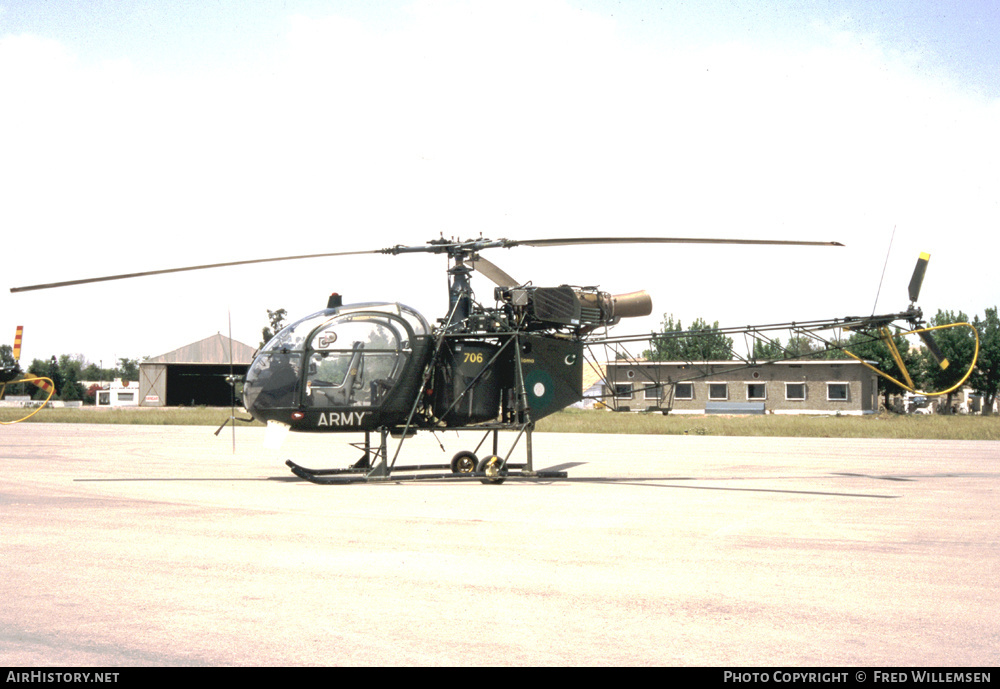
(137, 136)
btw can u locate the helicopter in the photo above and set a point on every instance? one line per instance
(383, 368)
(11, 374)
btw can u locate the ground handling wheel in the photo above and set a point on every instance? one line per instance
(464, 462)
(494, 468)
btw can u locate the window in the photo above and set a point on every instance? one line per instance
(623, 391)
(718, 391)
(795, 391)
(653, 393)
(836, 392)
(756, 391)
(684, 391)
(355, 360)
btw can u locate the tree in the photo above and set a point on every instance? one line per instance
(128, 369)
(801, 346)
(701, 343)
(276, 320)
(707, 343)
(986, 378)
(958, 346)
(798, 347)
(870, 348)
(7, 356)
(665, 348)
(769, 350)
(11, 369)
(90, 396)
(70, 368)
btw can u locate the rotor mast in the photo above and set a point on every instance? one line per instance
(460, 255)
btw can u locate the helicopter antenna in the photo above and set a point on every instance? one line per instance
(232, 379)
(879, 291)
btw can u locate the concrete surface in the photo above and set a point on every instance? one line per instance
(129, 545)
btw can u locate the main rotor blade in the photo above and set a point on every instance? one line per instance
(438, 247)
(494, 272)
(918, 276)
(126, 276)
(570, 241)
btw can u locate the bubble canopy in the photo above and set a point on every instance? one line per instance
(344, 357)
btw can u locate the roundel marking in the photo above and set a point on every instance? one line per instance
(539, 386)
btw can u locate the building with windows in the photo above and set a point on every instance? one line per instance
(119, 393)
(735, 387)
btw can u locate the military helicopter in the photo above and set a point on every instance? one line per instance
(383, 368)
(11, 374)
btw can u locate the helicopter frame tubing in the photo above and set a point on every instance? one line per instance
(878, 326)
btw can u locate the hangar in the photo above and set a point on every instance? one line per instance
(195, 374)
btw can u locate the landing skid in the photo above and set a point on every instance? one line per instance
(373, 466)
(440, 472)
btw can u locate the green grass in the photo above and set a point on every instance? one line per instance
(143, 416)
(579, 421)
(777, 425)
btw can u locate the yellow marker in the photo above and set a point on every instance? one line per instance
(17, 343)
(44, 383)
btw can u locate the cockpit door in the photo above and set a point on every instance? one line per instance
(355, 360)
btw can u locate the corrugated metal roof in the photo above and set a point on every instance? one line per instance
(211, 350)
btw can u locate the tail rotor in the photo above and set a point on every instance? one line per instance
(916, 282)
(10, 374)
(914, 316)
(917, 279)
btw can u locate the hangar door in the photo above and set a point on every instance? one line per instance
(192, 385)
(152, 385)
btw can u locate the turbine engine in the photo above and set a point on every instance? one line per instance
(582, 309)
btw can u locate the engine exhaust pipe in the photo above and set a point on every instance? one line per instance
(631, 305)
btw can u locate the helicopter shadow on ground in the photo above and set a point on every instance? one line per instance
(662, 482)
(657, 482)
(638, 481)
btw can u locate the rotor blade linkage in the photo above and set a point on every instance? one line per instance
(918, 277)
